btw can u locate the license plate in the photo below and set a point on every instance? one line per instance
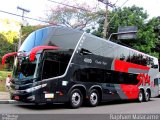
(16, 97)
(49, 95)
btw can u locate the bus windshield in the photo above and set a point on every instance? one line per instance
(24, 69)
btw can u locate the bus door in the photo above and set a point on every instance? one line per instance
(54, 66)
(50, 71)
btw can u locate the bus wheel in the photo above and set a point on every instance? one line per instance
(76, 98)
(141, 96)
(93, 98)
(147, 96)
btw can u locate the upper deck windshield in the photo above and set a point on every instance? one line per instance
(62, 37)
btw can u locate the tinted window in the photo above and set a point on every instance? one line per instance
(105, 76)
(122, 53)
(65, 38)
(138, 58)
(108, 49)
(156, 81)
(39, 37)
(92, 45)
(55, 63)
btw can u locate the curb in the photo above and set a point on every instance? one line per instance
(7, 101)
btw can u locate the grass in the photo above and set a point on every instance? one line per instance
(3, 75)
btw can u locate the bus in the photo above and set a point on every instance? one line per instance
(57, 64)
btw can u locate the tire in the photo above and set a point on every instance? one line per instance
(76, 98)
(93, 98)
(147, 96)
(141, 96)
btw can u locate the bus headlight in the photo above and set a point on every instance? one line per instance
(35, 88)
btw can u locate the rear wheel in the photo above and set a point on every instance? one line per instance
(141, 96)
(93, 98)
(76, 98)
(147, 96)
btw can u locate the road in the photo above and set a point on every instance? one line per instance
(130, 107)
(116, 107)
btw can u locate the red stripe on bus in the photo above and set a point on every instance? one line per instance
(123, 66)
(131, 91)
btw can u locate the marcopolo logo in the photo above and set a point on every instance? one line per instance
(87, 60)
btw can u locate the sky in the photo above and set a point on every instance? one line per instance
(39, 8)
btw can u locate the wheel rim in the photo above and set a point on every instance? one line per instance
(93, 98)
(140, 96)
(76, 99)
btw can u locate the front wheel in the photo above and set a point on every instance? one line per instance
(93, 98)
(76, 98)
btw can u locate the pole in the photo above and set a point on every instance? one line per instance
(20, 36)
(107, 4)
(21, 25)
(105, 31)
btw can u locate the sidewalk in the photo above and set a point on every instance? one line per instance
(5, 98)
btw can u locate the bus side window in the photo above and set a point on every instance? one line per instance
(91, 46)
(108, 50)
(156, 81)
(159, 64)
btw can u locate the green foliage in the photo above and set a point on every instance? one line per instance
(2, 85)
(4, 74)
(133, 16)
(6, 47)
(10, 36)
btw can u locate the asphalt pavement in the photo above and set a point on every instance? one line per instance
(126, 110)
(116, 107)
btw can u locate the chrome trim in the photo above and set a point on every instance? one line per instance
(32, 89)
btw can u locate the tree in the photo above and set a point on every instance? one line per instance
(72, 17)
(6, 47)
(155, 23)
(10, 36)
(132, 16)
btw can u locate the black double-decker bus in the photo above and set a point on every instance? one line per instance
(60, 65)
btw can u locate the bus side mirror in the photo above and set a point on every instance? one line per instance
(154, 66)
